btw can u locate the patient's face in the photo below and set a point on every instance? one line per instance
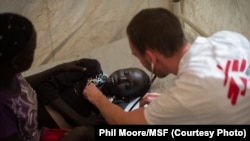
(126, 81)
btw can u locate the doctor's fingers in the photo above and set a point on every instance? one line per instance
(91, 90)
(147, 98)
(88, 89)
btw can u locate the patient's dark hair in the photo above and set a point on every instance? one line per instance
(15, 33)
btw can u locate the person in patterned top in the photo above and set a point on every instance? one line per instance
(18, 102)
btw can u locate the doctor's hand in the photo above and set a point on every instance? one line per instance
(147, 98)
(92, 93)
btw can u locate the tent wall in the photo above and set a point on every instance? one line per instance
(69, 28)
(214, 15)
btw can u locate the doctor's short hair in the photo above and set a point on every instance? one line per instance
(158, 29)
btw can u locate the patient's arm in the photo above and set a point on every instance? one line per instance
(51, 90)
(60, 106)
(77, 65)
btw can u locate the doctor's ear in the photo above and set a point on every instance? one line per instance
(150, 55)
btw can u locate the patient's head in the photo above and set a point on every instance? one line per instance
(128, 82)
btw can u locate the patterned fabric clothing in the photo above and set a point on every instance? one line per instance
(19, 112)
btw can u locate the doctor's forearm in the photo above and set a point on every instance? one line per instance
(112, 113)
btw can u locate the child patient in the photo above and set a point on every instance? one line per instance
(63, 92)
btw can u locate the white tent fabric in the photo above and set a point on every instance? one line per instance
(71, 29)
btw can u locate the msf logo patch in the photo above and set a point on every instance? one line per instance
(236, 76)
